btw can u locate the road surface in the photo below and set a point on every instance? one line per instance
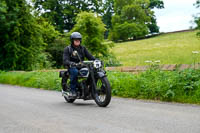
(29, 110)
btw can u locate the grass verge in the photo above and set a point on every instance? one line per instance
(177, 86)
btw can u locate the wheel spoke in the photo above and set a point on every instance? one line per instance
(102, 94)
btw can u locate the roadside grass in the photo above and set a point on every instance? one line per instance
(172, 48)
(43, 80)
(174, 86)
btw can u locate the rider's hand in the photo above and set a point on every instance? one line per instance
(78, 65)
(73, 64)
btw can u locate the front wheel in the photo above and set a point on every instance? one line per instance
(102, 93)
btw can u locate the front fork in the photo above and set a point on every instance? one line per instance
(93, 81)
(94, 86)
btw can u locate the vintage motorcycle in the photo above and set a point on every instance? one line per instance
(92, 83)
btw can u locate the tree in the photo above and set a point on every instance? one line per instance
(92, 29)
(153, 24)
(197, 18)
(52, 39)
(130, 19)
(108, 11)
(108, 8)
(156, 4)
(56, 49)
(62, 13)
(23, 37)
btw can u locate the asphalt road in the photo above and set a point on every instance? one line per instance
(29, 110)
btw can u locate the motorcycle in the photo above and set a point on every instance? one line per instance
(92, 83)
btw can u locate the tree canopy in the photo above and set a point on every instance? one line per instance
(62, 13)
(22, 36)
(134, 19)
(197, 18)
(130, 19)
(92, 29)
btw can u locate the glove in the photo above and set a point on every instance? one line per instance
(78, 65)
(73, 64)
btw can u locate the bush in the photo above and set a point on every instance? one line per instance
(178, 86)
(92, 29)
(110, 60)
(56, 49)
(127, 31)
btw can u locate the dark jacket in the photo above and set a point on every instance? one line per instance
(69, 57)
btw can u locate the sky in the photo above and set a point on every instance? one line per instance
(177, 15)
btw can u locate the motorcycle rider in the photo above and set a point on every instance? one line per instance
(71, 59)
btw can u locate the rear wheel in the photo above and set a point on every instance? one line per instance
(65, 87)
(102, 93)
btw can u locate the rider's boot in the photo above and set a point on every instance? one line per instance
(72, 93)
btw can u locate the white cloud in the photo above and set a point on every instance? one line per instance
(177, 15)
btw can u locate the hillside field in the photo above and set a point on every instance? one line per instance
(171, 48)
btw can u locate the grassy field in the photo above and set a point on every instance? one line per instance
(172, 48)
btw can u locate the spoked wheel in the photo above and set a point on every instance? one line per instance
(102, 93)
(65, 86)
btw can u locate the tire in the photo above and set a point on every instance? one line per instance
(67, 89)
(105, 89)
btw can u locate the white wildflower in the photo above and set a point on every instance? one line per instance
(157, 61)
(148, 61)
(195, 52)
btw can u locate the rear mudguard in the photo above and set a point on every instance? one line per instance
(63, 74)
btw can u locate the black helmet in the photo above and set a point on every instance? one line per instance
(75, 35)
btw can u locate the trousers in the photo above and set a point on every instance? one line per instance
(73, 71)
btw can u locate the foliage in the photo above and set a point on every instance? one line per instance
(177, 86)
(24, 37)
(134, 16)
(159, 4)
(20, 36)
(43, 61)
(130, 16)
(156, 4)
(128, 31)
(108, 11)
(49, 34)
(50, 56)
(197, 18)
(92, 29)
(56, 49)
(62, 13)
(168, 48)
(110, 60)
(56, 42)
(37, 79)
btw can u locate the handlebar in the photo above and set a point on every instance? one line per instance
(87, 62)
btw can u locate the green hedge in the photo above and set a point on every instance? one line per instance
(44, 80)
(177, 86)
